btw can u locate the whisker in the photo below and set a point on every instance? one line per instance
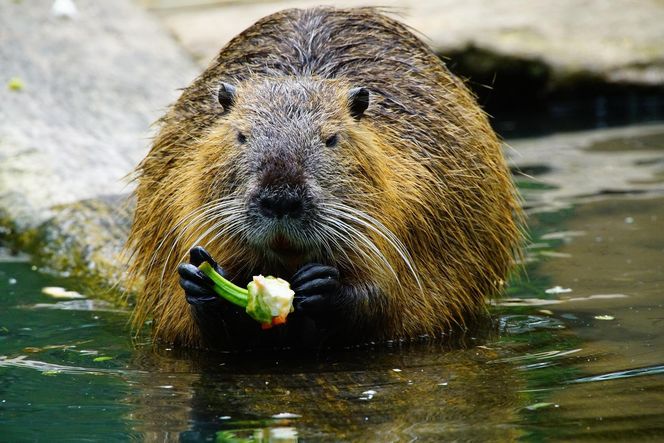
(189, 215)
(338, 238)
(228, 212)
(371, 245)
(230, 230)
(352, 214)
(218, 221)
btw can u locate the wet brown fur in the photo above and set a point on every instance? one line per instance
(424, 161)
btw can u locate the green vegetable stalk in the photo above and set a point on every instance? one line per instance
(268, 300)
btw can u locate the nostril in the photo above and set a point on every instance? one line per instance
(278, 207)
(266, 206)
(292, 206)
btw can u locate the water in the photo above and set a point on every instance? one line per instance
(575, 350)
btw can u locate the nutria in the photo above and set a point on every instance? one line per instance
(332, 148)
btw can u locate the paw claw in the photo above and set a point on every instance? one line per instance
(198, 286)
(314, 304)
(198, 255)
(313, 271)
(316, 286)
(190, 272)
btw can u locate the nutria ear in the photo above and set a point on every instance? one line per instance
(359, 102)
(226, 95)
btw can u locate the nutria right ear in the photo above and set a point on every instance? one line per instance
(359, 102)
(226, 95)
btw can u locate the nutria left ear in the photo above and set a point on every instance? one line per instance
(226, 95)
(359, 102)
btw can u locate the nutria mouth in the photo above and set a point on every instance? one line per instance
(288, 255)
(282, 245)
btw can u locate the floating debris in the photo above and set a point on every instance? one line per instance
(553, 254)
(368, 395)
(103, 358)
(59, 292)
(284, 415)
(32, 349)
(541, 405)
(563, 235)
(558, 290)
(604, 317)
(15, 84)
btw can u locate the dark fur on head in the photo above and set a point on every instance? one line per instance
(330, 135)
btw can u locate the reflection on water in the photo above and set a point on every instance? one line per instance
(385, 394)
(574, 351)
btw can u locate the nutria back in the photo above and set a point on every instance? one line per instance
(409, 198)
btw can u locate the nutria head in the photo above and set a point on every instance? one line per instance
(284, 150)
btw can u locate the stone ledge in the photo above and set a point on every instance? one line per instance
(548, 48)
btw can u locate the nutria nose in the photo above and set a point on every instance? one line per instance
(280, 206)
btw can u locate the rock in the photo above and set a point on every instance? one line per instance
(617, 42)
(79, 93)
(85, 240)
(91, 87)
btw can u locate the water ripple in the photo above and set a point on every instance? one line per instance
(50, 368)
(648, 370)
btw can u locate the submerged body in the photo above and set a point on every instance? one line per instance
(334, 145)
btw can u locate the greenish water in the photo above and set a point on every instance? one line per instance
(575, 351)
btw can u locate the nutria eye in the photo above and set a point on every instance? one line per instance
(332, 141)
(241, 138)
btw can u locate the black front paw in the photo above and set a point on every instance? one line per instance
(198, 286)
(316, 289)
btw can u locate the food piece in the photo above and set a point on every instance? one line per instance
(268, 300)
(226, 289)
